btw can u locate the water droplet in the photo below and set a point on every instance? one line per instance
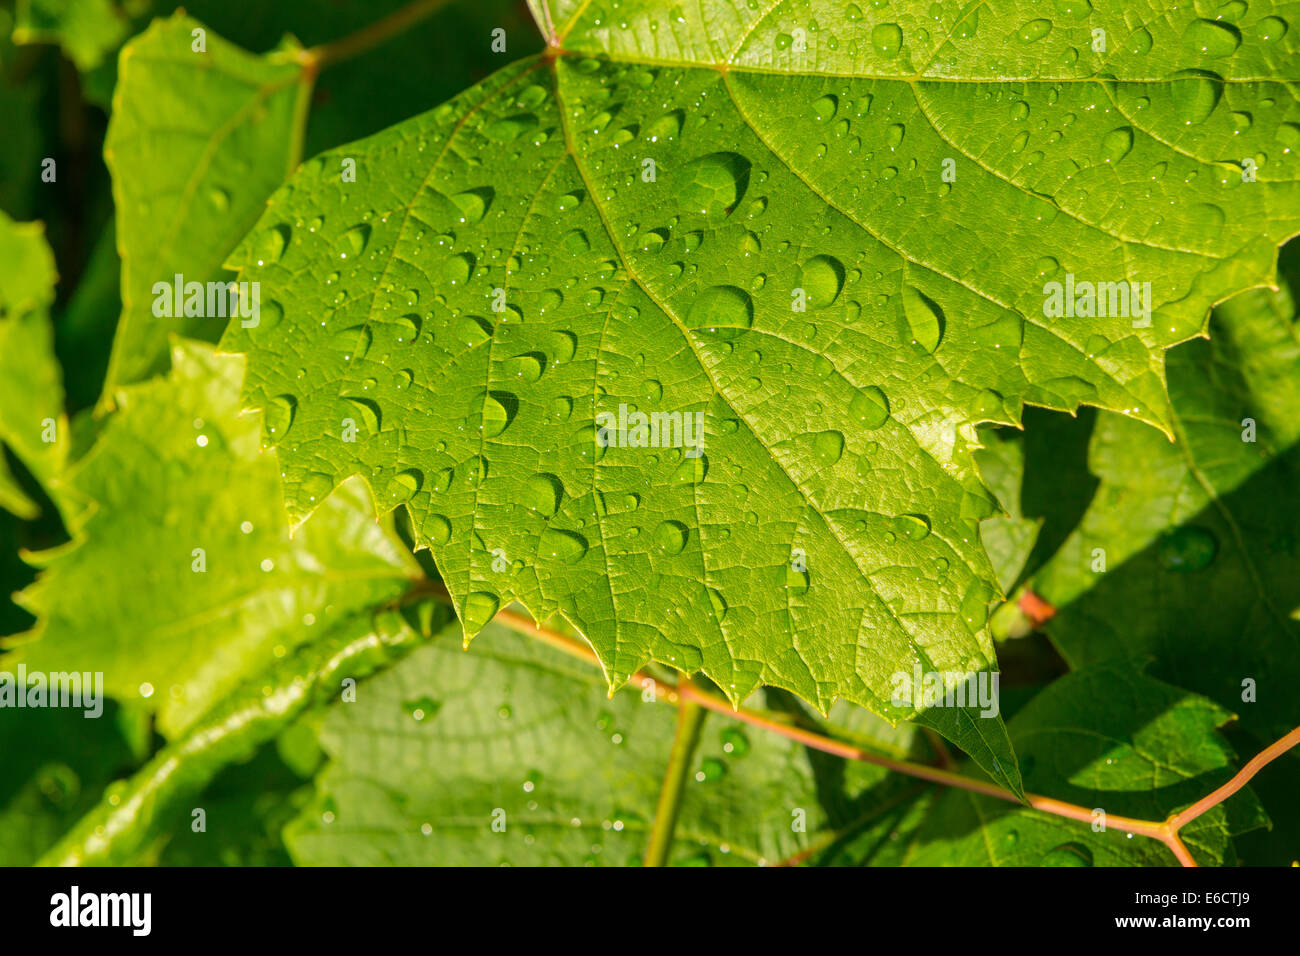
(560, 545)
(913, 527)
(668, 126)
(711, 770)
(734, 742)
(314, 487)
(986, 405)
(1270, 29)
(561, 408)
(437, 529)
(353, 242)
(723, 306)
(278, 417)
(1116, 144)
(456, 270)
(713, 184)
(510, 128)
(422, 708)
(869, 407)
(353, 342)
(1189, 548)
(472, 330)
(975, 605)
(1067, 854)
(575, 242)
(887, 38)
(403, 485)
(924, 318)
(1034, 30)
(542, 493)
(1212, 38)
(496, 416)
(670, 537)
(828, 447)
(691, 471)
(824, 108)
(1195, 96)
(719, 604)
(527, 367)
(480, 607)
(271, 244)
(796, 581)
(473, 204)
(821, 278)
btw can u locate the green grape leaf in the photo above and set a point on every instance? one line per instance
(526, 735)
(1198, 543)
(196, 142)
(86, 30)
(182, 577)
(1107, 738)
(745, 220)
(32, 420)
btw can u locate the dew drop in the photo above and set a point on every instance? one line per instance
(542, 493)
(670, 537)
(821, 278)
(723, 306)
(924, 318)
(480, 608)
(1189, 548)
(869, 407)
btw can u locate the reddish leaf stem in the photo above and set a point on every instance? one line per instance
(1166, 831)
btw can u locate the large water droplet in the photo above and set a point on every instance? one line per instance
(404, 485)
(1116, 144)
(924, 318)
(271, 244)
(869, 407)
(472, 330)
(480, 607)
(824, 107)
(559, 545)
(713, 184)
(510, 127)
(665, 127)
(1212, 38)
(828, 447)
(1195, 96)
(821, 278)
(542, 493)
(670, 537)
(473, 203)
(723, 306)
(887, 39)
(278, 417)
(1067, 854)
(437, 529)
(1034, 30)
(353, 242)
(456, 270)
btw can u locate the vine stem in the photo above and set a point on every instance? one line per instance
(1166, 831)
(325, 55)
(690, 718)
